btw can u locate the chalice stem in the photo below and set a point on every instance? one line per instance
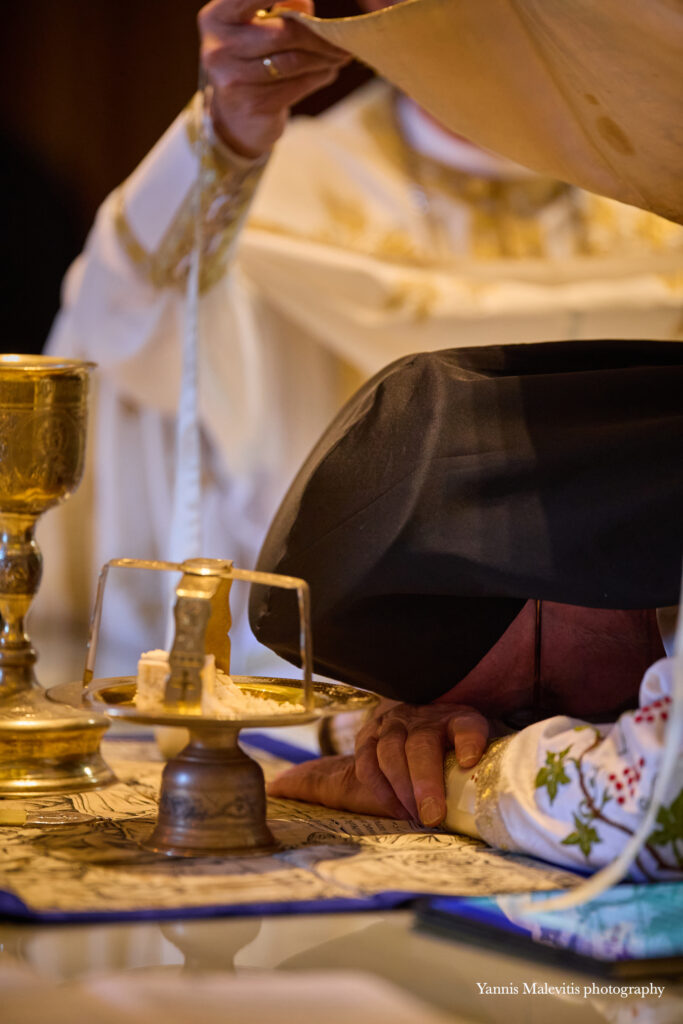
(20, 572)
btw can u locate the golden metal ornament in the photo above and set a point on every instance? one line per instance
(45, 746)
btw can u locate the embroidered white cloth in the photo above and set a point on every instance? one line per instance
(572, 793)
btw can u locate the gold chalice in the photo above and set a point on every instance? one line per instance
(45, 746)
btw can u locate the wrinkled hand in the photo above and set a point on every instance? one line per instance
(400, 753)
(332, 781)
(251, 100)
(398, 765)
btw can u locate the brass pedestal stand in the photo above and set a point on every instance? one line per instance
(45, 747)
(213, 800)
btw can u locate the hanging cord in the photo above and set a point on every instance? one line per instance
(523, 717)
(538, 645)
(185, 539)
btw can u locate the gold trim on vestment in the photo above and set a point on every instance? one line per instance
(503, 214)
(487, 815)
(504, 217)
(226, 194)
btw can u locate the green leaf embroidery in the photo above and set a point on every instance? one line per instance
(553, 774)
(585, 837)
(670, 822)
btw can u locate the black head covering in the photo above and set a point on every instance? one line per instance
(457, 484)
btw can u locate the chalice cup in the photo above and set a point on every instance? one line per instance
(45, 746)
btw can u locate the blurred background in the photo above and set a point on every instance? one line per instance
(87, 87)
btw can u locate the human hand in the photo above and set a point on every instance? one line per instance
(332, 781)
(251, 99)
(400, 753)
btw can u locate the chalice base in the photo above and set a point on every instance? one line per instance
(48, 747)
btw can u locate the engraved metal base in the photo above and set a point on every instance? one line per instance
(49, 747)
(212, 801)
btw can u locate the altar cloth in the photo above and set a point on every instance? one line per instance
(329, 861)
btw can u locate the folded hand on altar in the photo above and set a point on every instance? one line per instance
(332, 782)
(400, 753)
(397, 770)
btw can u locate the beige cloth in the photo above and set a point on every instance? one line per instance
(588, 91)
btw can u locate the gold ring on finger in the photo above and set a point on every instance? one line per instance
(271, 67)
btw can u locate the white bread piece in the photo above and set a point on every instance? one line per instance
(153, 669)
(152, 674)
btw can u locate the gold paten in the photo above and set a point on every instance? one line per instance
(45, 746)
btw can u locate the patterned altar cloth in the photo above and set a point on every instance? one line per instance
(328, 861)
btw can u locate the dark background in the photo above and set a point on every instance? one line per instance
(87, 86)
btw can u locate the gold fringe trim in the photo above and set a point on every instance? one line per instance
(487, 816)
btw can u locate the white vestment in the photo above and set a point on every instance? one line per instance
(358, 249)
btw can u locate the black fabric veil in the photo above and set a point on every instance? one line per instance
(457, 484)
